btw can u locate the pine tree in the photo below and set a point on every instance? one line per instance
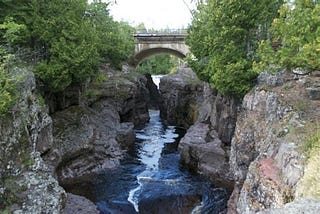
(298, 31)
(224, 37)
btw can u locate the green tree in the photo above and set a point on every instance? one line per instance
(65, 40)
(115, 40)
(69, 53)
(7, 84)
(297, 30)
(158, 64)
(223, 38)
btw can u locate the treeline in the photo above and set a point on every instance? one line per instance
(64, 41)
(233, 41)
(159, 64)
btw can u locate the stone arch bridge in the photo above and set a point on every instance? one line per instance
(151, 44)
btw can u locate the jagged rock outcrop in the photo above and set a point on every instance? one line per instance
(89, 138)
(128, 94)
(58, 101)
(276, 119)
(85, 140)
(188, 101)
(181, 96)
(26, 184)
(202, 151)
(154, 100)
(205, 147)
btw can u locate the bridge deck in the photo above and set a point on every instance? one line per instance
(160, 37)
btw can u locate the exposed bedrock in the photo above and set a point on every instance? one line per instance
(154, 100)
(26, 184)
(79, 205)
(93, 136)
(267, 160)
(181, 96)
(186, 101)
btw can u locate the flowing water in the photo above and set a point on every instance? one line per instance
(150, 180)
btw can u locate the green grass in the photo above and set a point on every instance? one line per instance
(312, 145)
(309, 186)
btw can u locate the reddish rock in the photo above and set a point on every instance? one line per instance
(269, 170)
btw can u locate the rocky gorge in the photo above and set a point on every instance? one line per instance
(86, 132)
(253, 147)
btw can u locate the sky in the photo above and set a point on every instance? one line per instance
(156, 14)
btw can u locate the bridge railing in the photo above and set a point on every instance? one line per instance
(162, 32)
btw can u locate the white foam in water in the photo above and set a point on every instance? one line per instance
(198, 208)
(150, 153)
(156, 79)
(133, 197)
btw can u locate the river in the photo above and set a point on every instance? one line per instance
(150, 179)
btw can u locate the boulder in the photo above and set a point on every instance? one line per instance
(79, 205)
(202, 151)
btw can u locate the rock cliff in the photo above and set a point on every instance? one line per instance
(93, 136)
(180, 97)
(267, 160)
(81, 139)
(261, 146)
(26, 184)
(211, 119)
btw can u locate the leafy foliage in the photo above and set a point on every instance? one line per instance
(65, 40)
(114, 39)
(7, 85)
(298, 31)
(158, 64)
(224, 36)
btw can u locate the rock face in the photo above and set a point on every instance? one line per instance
(188, 101)
(90, 133)
(296, 207)
(275, 120)
(85, 140)
(154, 100)
(126, 92)
(202, 151)
(26, 184)
(89, 138)
(79, 205)
(181, 95)
(205, 147)
(61, 100)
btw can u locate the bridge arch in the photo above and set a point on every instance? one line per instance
(151, 44)
(139, 57)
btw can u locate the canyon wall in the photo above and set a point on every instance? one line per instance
(255, 148)
(87, 132)
(26, 184)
